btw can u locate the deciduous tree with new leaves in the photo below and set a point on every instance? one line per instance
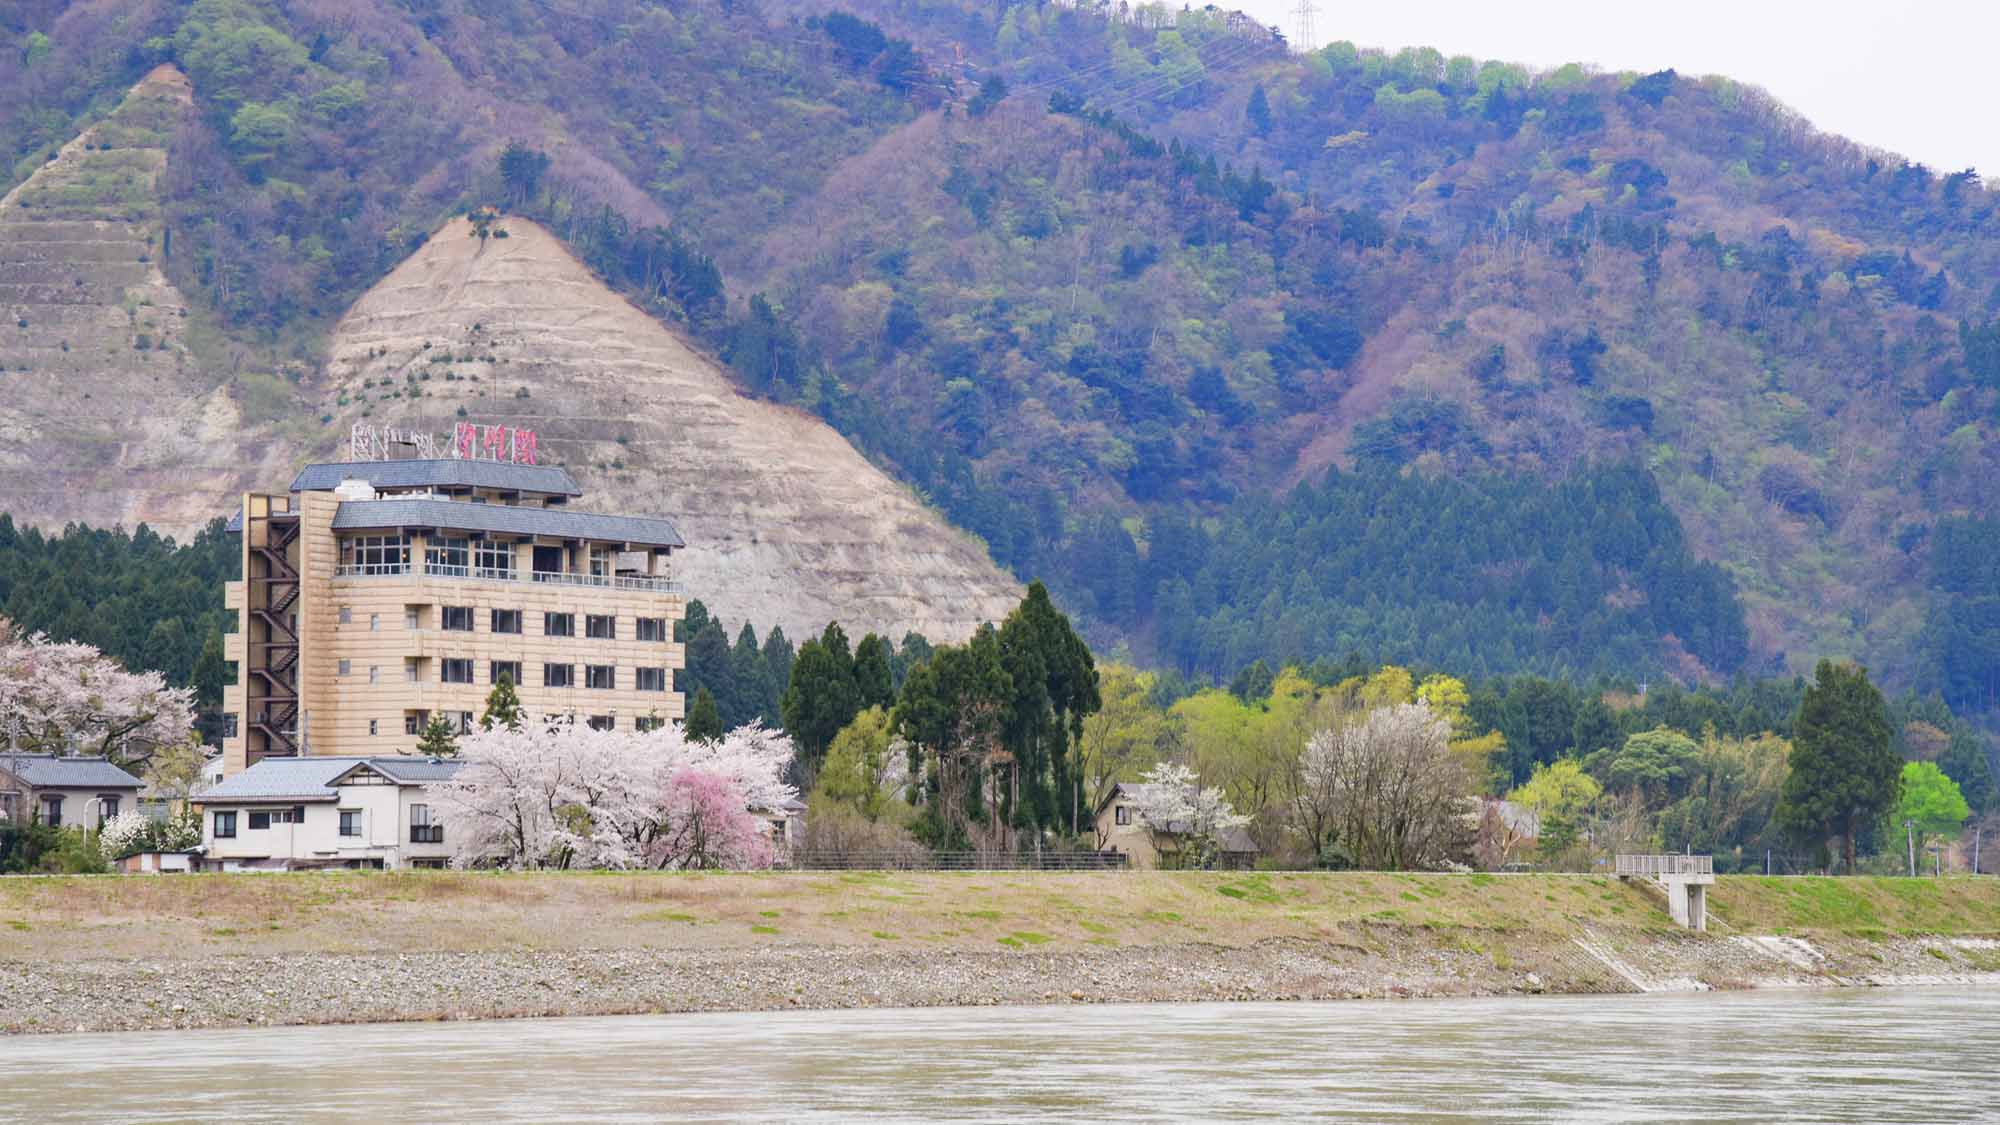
(556, 794)
(1189, 821)
(59, 696)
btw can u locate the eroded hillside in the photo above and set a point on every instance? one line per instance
(786, 523)
(104, 415)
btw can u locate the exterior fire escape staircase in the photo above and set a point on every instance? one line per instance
(274, 648)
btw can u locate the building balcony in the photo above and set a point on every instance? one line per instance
(534, 577)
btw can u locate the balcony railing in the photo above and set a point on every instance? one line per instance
(1662, 866)
(493, 574)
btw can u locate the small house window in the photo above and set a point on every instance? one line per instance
(1122, 814)
(423, 830)
(350, 822)
(52, 811)
(225, 826)
(107, 806)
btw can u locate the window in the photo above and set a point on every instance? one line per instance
(508, 668)
(347, 615)
(652, 628)
(558, 675)
(259, 821)
(600, 722)
(266, 818)
(652, 679)
(374, 622)
(600, 677)
(413, 618)
(415, 721)
(1122, 814)
(602, 561)
(107, 806)
(451, 557)
(423, 830)
(225, 826)
(462, 721)
(493, 560)
(456, 670)
(413, 672)
(343, 667)
(372, 731)
(559, 624)
(376, 554)
(350, 822)
(648, 722)
(374, 673)
(457, 619)
(507, 621)
(52, 811)
(600, 628)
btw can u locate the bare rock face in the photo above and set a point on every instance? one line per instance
(104, 418)
(786, 523)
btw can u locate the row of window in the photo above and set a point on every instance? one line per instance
(460, 722)
(460, 670)
(490, 558)
(424, 829)
(459, 618)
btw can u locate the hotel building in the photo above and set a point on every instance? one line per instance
(377, 594)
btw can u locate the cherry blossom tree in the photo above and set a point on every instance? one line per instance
(556, 794)
(56, 696)
(1173, 804)
(1387, 790)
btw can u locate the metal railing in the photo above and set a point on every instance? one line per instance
(1659, 866)
(545, 577)
(826, 860)
(369, 570)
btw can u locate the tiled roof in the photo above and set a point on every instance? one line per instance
(462, 515)
(313, 778)
(440, 473)
(46, 771)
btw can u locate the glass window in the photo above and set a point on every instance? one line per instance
(259, 821)
(652, 679)
(413, 617)
(508, 668)
(413, 672)
(374, 622)
(457, 618)
(462, 722)
(648, 722)
(559, 624)
(374, 673)
(602, 628)
(107, 807)
(372, 731)
(601, 561)
(599, 722)
(343, 667)
(52, 811)
(507, 621)
(1122, 814)
(225, 825)
(448, 556)
(558, 675)
(350, 822)
(415, 721)
(376, 554)
(423, 828)
(456, 670)
(491, 559)
(652, 628)
(600, 677)
(347, 615)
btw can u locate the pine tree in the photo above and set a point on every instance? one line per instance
(1259, 111)
(503, 706)
(704, 721)
(211, 673)
(821, 697)
(1845, 772)
(438, 740)
(873, 679)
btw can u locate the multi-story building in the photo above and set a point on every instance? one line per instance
(376, 594)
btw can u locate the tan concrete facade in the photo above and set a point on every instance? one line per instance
(381, 645)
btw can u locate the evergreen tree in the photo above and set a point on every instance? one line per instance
(873, 680)
(704, 721)
(755, 699)
(1259, 111)
(211, 672)
(709, 667)
(1844, 770)
(503, 706)
(438, 741)
(821, 697)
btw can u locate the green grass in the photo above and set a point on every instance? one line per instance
(1022, 938)
(763, 929)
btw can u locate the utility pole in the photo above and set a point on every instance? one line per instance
(1975, 847)
(1910, 835)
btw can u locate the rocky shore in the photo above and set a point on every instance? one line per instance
(1358, 961)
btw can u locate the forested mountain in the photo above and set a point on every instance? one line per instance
(1106, 287)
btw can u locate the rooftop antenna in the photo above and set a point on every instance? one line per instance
(1304, 27)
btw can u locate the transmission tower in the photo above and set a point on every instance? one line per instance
(1303, 29)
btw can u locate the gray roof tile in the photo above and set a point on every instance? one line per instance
(439, 473)
(46, 771)
(313, 778)
(462, 515)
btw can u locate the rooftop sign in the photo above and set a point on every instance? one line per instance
(468, 442)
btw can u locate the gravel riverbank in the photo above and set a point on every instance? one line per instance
(1363, 961)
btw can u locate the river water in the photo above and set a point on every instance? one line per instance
(1921, 1055)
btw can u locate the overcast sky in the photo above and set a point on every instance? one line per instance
(1914, 78)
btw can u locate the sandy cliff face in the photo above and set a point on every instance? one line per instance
(786, 524)
(104, 417)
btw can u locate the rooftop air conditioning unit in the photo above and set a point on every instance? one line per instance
(353, 488)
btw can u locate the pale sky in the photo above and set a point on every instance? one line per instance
(1913, 78)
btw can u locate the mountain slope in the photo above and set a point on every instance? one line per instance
(105, 417)
(785, 523)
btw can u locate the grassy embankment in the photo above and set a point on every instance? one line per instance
(193, 917)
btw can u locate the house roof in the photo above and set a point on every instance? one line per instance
(462, 515)
(1234, 839)
(439, 473)
(46, 771)
(318, 778)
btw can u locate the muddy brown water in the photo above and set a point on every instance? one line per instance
(1833, 1055)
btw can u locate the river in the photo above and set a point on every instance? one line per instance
(1917, 1055)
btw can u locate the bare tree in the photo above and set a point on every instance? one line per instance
(1387, 790)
